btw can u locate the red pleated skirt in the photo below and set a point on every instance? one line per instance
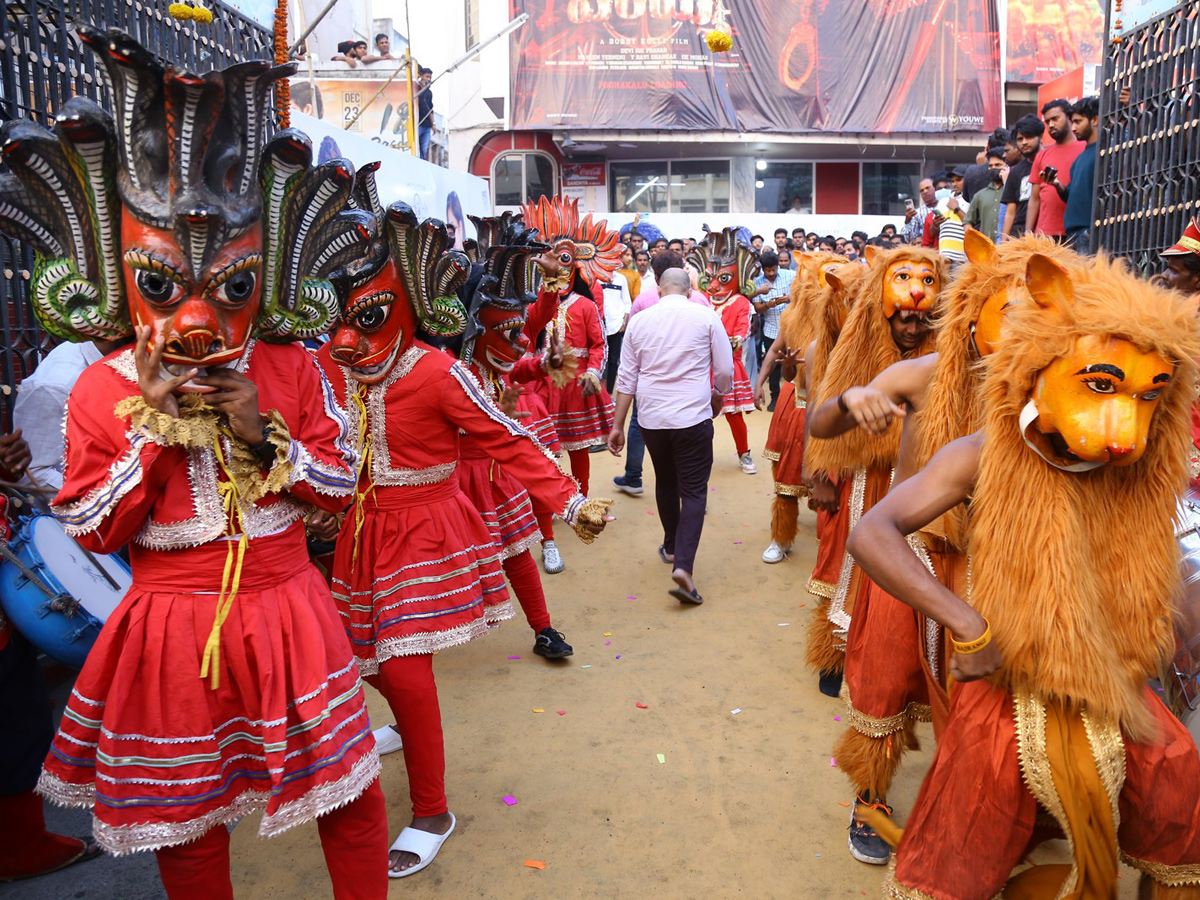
(161, 756)
(502, 502)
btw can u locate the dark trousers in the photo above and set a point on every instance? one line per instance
(614, 360)
(764, 344)
(25, 711)
(635, 449)
(683, 459)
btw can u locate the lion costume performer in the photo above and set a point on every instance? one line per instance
(905, 283)
(416, 569)
(1083, 450)
(784, 446)
(178, 219)
(894, 657)
(727, 268)
(582, 254)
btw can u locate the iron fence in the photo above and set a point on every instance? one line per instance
(1148, 162)
(42, 65)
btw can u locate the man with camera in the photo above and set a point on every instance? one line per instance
(1046, 207)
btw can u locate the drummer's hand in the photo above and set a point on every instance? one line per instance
(981, 664)
(322, 525)
(235, 395)
(158, 392)
(14, 456)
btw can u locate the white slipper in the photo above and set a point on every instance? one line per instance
(387, 740)
(421, 844)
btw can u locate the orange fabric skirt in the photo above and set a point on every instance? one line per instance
(784, 406)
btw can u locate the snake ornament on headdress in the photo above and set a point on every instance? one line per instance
(176, 211)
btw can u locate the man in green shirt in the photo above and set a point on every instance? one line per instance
(984, 212)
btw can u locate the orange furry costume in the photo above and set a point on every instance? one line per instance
(785, 437)
(1077, 573)
(859, 462)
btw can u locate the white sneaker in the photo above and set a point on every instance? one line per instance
(387, 740)
(552, 561)
(774, 553)
(747, 462)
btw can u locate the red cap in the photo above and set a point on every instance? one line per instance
(1188, 243)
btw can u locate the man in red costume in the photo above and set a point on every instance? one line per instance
(416, 569)
(582, 254)
(202, 449)
(727, 270)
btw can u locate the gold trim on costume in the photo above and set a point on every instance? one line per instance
(822, 589)
(837, 605)
(873, 727)
(1108, 751)
(1172, 876)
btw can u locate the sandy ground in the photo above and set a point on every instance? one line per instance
(744, 802)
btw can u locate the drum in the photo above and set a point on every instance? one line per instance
(1182, 681)
(55, 593)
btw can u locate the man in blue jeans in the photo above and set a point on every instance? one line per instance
(424, 110)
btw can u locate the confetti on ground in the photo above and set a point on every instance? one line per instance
(845, 803)
(586, 667)
(661, 759)
(631, 597)
(509, 800)
(784, 624)
(538, 709)
(534, 864)
(514, 657)
(608, 643)
(737, 542)
(734, 712)
(618, 656)
(832, 762)
(837, 718)
(818, 856)
(561, 712)
(641, 705)
(608, 634)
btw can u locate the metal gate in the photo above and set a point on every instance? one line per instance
(42, 65)
(1148, 161)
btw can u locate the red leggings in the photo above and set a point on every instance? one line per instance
(526, 583)
(354, 839)
(737, 424)
(545, 520)
(407, 685)
(581, 467)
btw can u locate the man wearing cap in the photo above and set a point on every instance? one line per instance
(949, 214)
(1181, 261)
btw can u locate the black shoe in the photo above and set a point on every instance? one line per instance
(830, 683)
(597, 448)
(551, 644)
(865, 843)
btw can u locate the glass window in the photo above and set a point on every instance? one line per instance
(777, 184)
(639, 186)
(522, 177)
(510, 180)
(471, 15)
(700, 186)
(885, 187)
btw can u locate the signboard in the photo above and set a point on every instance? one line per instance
(581, 175)
(1046, 40)
(876, 66)
(430, 190)
(337, 101)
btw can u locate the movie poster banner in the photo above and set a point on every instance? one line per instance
(872, 66)
(1046, 40)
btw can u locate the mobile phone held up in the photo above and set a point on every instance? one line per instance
(908, 204)
(1049, 174)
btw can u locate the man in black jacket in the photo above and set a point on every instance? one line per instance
(424, 110)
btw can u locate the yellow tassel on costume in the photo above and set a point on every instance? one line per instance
(364, 457)
(231, 577)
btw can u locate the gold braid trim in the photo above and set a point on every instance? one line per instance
(873, 727)
(821, 589)
(1108, 750)
(894, 890)
(199, 427)
(1172, 876)
(592, 512)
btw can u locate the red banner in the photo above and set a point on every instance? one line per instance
(877, 66)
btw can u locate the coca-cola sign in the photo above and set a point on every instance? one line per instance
(577, 175)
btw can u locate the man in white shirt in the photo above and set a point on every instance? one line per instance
(41, 408)
(676, 360)
(617, 305)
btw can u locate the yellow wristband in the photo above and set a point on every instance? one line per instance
(964, 648)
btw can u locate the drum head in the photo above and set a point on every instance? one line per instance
(78, 576)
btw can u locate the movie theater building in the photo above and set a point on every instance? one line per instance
(834, 108)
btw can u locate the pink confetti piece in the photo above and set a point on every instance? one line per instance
(737, 542)
(561, 712)
(514, 657)
(607, 643)
(832, 762)
(631, 597)
(509, 800)
(641, 705)
(837, 718)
